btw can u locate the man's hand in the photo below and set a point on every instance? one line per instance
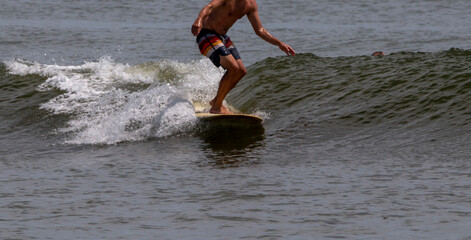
(196, 28)
(287, 49)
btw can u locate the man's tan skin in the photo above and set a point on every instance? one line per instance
(219, 16)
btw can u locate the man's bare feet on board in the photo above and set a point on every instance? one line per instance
(221, 110)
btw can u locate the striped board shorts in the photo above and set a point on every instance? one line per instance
(213, 45)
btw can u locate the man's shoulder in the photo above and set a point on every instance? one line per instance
(252, 5)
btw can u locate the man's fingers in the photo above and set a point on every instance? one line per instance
(288, 50)
(291, 51)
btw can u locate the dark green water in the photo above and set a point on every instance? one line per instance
(98, 138)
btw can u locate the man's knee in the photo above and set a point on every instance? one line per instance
(242, 71)
(236, 68)
(232, 66)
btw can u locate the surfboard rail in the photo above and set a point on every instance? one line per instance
(241, 120)
(228, 116)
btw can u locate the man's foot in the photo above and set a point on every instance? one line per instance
(222, 110)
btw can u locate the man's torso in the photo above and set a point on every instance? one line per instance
(222, 18)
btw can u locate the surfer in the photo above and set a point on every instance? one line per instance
(210, 29)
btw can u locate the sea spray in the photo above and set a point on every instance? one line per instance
(110, 102)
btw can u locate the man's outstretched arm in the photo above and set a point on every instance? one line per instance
(265, 35)
(205, 12)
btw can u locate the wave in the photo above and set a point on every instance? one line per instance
(399, 89)
(108, 102)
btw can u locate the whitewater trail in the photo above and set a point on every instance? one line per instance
(112, 102)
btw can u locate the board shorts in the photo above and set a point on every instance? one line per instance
(213, 45)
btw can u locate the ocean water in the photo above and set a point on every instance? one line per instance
(99, 139)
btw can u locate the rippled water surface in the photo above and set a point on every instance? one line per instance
(99, 139)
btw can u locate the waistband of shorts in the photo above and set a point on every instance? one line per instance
(205, 32)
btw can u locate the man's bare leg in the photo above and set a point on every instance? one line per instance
(235, 71)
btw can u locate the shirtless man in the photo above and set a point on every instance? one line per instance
(210, 29)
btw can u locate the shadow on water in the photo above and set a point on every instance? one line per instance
(231, 145)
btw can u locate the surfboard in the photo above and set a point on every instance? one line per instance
(226, 120)
(227, 132)
(230, 118)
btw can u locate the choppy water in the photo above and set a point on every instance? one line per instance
(99, 140)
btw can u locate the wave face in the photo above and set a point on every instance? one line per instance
(308, 96)
(402, 93)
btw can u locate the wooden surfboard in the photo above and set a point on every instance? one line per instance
(230, 118)
(236, 120)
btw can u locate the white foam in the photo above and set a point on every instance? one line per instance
(262, 114)
(22, 68)
(177, 117)
(103, 110)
